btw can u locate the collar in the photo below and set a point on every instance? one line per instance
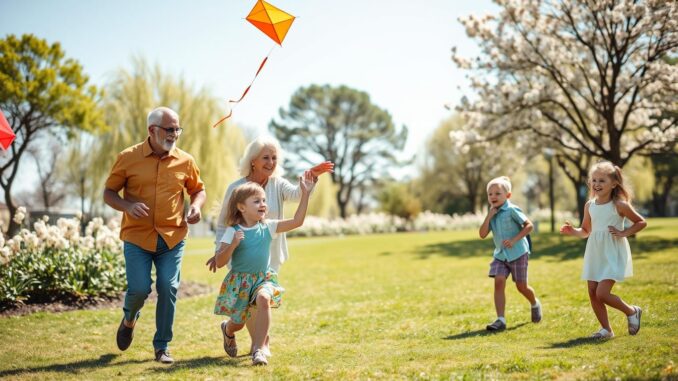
(506, 205)
(147, 150)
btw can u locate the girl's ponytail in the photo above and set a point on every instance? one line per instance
(621, 191)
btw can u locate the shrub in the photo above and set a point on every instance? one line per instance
(57, 262)
(384, 223)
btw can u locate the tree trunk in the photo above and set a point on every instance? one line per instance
(342, 205)
(13, 226)
(660, 200)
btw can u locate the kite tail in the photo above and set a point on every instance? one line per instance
(261, 66)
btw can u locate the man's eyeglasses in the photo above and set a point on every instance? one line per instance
(170, 130)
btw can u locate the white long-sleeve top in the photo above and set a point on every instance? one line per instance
(278, 190)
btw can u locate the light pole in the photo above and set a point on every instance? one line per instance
(549, 153)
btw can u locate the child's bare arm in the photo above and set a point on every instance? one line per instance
(626, 210)
(485, 227)
(306, 184)
(225, 250)
(583, 231)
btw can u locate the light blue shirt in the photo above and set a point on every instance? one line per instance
(252, 254)
(506, 224)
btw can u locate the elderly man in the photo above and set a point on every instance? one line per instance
(153, 175)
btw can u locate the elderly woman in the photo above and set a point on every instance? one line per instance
(259, 164)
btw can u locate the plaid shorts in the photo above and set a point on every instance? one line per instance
(517, 269)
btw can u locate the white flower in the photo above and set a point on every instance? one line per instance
(20, 215)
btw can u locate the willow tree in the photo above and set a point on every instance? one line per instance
(130, 95)
(41, 92)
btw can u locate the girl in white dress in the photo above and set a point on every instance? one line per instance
(608, 257)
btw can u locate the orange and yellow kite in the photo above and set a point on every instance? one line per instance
(275, 23)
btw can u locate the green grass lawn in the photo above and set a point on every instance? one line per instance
(396, 306)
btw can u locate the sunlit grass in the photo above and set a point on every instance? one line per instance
(411, 305)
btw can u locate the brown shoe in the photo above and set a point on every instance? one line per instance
(124, 336)
(163, 356)
(230, 346)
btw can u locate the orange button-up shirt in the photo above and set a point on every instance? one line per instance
(159, 183)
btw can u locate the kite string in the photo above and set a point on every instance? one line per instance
(261, 66)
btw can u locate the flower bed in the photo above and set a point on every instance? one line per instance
(371, 223)
(57, 262)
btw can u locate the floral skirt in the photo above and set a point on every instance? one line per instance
(239, 291)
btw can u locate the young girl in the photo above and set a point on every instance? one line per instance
(608, 256)
(246, 243)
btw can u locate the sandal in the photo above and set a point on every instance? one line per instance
(634, 320)
(603, 334)
(230, 346)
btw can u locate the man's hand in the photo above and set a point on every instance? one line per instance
(193, 215)
(138, 210)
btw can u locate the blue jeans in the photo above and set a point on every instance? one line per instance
(138, 264)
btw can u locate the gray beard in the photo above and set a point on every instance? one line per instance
(168, 146)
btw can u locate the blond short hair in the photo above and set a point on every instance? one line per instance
(501, 181)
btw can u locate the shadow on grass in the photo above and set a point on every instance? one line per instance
(481, 333)
(575, 342)
(73, 367)
(545, 245)
(180, 365)
(77, 367)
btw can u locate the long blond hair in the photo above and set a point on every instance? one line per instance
(239, 196)
(621, 192)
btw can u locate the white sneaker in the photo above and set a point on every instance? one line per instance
(634, 320)
(603, 334)
(258, 358)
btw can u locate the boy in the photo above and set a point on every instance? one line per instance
(509, 228)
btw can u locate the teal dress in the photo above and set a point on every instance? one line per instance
(250, 272)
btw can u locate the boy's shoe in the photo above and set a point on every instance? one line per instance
(634, 320)
(163, 356)
(230, 346)
(259, 358)
(603, 334)
(498, 325)
(536, 313)
(124, 336)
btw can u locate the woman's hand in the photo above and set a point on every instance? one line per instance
(324, 167)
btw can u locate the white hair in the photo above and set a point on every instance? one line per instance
(502, 181)
(254, 149)
(155, 116)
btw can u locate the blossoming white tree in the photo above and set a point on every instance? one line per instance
(586, 77)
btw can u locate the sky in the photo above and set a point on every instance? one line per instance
(396, 51)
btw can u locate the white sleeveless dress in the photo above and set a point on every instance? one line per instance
(606, 256)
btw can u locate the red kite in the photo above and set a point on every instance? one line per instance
(274, 23)
(6, 134)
